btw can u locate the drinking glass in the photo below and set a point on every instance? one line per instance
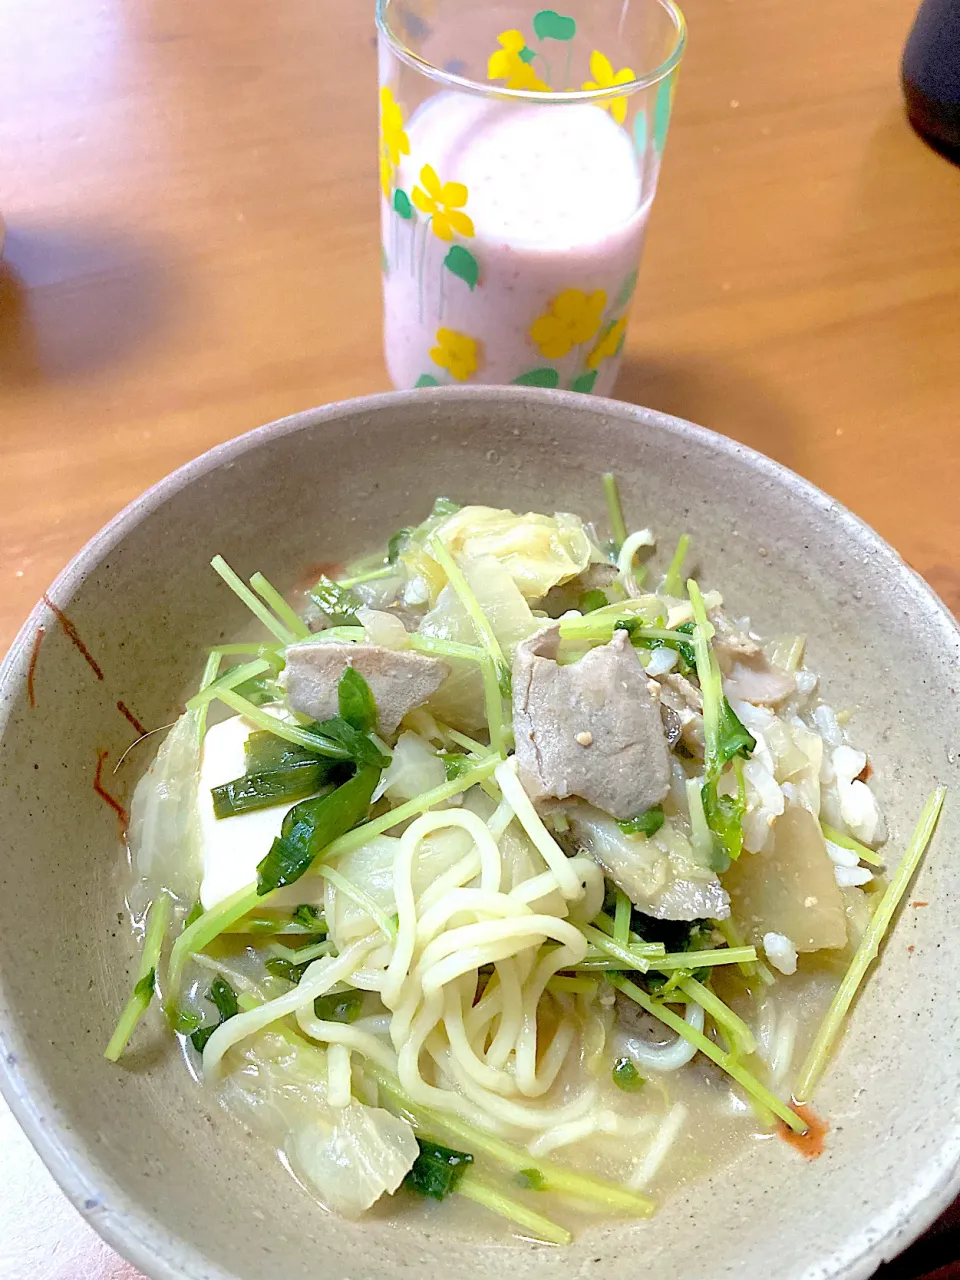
(519, 156)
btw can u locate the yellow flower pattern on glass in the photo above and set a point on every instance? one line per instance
(606, 348)
(571, 318)
(394, 142)
(457, 353)
(506, 64)
(443, 202)
(604, 77)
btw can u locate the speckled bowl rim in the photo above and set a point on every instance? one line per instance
(125, 1227)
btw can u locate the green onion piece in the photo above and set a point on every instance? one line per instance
(724, 1060)
(866, 855)
(287, 615)
(647, 824)
(355, 701)
(618, 528)
(336, 600)
(264, 752)
(256, 607)
(309, 916)
(196, 911)
(673, 582)
(341, 1006)
(530, 1179)
(235, 676)
(142, 994)
(437, 1170)
(869, 946)
(311, 826)
(590, 601)
(583, 1186)
(263, 790)
(626, 1076)
(535, 1224)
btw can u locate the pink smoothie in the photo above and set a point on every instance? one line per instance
(541, 288)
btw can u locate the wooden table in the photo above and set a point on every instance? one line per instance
(191, 197)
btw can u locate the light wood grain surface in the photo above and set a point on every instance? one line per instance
(191, 198)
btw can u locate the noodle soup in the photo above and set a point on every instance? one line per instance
(510, 877)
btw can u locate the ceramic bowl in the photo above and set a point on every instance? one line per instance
(174, 1185)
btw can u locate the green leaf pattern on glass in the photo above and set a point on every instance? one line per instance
(545, 377)
(661, 112)
(461, 262)
(550, 25)
(401, 202)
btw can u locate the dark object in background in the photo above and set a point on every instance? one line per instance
(931, 75)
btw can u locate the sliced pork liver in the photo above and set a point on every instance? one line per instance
(398, 680)
(590, 729)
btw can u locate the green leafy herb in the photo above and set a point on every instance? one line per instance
(263, 790)
(223, 996)
(725, 739)
(437, 1170)
(732, 738)
(196, 911)
(145, 985)
(356, 702)
(647, 824)
(358, 746)
(456, 763)
(308, 916)
(396, 545)
(591, 600)
(286, 969)
(685, 655)
(724, 814)
(340, 604)
(626, 1076)
(200, 1037)
(531, 1179)
(258, 689)
(343, 1006)
(676, 935)
(311, 825)
(185, 1023)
